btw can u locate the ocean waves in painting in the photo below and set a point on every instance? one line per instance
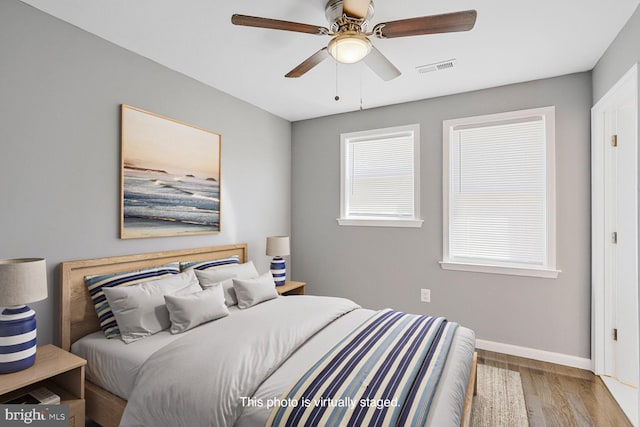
(155, 199)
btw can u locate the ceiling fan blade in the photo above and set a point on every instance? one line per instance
(276, 24)
(309, 63)
(356, 8)
(446, 23)
(380, 65)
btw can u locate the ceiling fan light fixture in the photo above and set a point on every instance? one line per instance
(349, 48)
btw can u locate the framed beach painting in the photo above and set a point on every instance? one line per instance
(170, 177)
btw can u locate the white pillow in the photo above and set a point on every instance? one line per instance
(254, 291)
(140, 310)
(224, 275)
(189, 311)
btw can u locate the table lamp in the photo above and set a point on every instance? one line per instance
(22, 281)
(277, 247)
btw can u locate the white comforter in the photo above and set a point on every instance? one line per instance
(200, 380)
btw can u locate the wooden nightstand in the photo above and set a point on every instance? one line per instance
(291, 288)
(59, 371)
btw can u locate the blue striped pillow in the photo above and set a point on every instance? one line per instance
(205, 265)
(95, 284)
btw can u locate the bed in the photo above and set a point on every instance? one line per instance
(119, 372)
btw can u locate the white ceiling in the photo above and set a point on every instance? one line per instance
(513, 41)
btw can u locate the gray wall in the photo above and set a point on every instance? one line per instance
(60, 91)
(619, 57)
(386, 267)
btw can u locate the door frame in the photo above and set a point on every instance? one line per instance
(601, 346)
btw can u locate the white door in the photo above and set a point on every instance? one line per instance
(614, 172)
(621, 210)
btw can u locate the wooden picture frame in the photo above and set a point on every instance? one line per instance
(170, 177)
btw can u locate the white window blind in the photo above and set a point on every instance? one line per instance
(498, 198)
(379, 176)
(381, 181)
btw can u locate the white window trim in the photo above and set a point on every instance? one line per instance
(381, 222)
(548, 271)
(414, 222)
(512, 270)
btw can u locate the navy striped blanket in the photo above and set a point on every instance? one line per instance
(383, 374)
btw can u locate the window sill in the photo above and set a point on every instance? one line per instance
(380, 222)
(514, 271)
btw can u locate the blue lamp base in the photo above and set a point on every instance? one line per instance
(279, 270)
(17, 339)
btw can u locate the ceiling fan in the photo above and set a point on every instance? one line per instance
(350, 42)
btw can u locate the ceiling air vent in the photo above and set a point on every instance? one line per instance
(436, 66)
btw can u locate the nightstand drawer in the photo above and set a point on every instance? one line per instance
(76, 413)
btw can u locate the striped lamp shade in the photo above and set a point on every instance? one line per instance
(21, 281)
(278, 246)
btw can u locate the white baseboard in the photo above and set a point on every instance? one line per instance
(532, 353)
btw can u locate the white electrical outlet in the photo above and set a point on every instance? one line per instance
(425, 295)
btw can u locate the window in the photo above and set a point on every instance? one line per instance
(380, 176)
(499, 193)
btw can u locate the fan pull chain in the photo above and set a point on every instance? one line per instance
(361, 107)
(337, 97)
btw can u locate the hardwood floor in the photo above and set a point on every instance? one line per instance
(559, 396)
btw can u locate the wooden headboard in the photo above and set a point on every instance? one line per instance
(77, 314)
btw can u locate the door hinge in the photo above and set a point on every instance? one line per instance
(615, 334)
(614, 140)
(614, 237)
